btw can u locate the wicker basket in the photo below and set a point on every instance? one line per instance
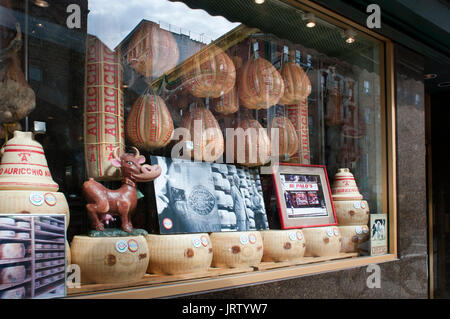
(283, 245)
(352, 212)
(103, 111)
(179, 254)
(352, 237)
(322, 241)
(236, 249)
(110, 259)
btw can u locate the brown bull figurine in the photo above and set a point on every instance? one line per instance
(103, 203)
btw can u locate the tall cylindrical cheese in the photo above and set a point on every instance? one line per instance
(236, 249)
(352, 212)
(179, 254)
(110, 259)
(103, 110)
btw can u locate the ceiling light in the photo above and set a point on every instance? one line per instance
(39, 25)
(430, 76)
(259, 1)
(41, 3)
(349, 35)
(310, 20)
(443, 84)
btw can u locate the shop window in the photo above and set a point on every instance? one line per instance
(144, 75)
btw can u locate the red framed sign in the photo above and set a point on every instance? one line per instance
(303, 196)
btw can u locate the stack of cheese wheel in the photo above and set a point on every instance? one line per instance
(236, 249)
(252, 144)
(179, 254)
(227, 103)
(260, 85)
(149, 125)
(110, 259)
(283, 245)
(350, 208)
(204, 133)
(103, 110)
(151, 50)
(322, 241)
(288, 140)
(26, 184)
(209, 73)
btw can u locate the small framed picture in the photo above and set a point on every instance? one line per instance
(303, 196)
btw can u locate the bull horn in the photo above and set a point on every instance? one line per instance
(116, 153)
(137, 154)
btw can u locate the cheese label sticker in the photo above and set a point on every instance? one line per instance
(358, 230)
(36, 199)
(50, 199)
(252, 238)
(205, 241)
(133, 245)
(330, 232)
(299, 235)
(121, 246)
(196, 242)
(292, 236)
(167, 223)
(244, 239)
(363, 205)
(365, 230)
(336, 232)
(357, 205)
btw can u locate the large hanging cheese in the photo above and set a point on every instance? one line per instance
(205, 134)
(152, 51)
(12, 251)
(110, 259)
(251, 144)
(12, 275)
(179, 254)
(283, 245)
(322, 241)
(227, 103)
(296, 83)
(288, 140)
(149, 124)
(210, 73)
(103, 110)
(260, 85)
(236, 249)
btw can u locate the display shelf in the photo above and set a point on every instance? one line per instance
(11, 227)
(49, 227)
(47, 241)
(302, 261)
(45, 233)
(52, 219)
(50, 266)
(12, 261)
(12, 285)
(153, 279)
(16, 239)
(49, 289)
(51, 274)
(46, 258)
(50, 249)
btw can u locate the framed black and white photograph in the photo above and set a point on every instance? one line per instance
(304, 196)
(207, 197)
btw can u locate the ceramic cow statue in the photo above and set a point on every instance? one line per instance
(103, 203)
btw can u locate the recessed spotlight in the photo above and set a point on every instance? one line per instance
(444, 84)
(41, 3)
(75, 107)
(40, 25)
(310, 20)
(259, 1)
(430, 76)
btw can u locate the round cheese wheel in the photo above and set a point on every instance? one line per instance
(23, 235)
(11, 275)
(12, 251)
(7, 233)
(23, 224)
(7, 221)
